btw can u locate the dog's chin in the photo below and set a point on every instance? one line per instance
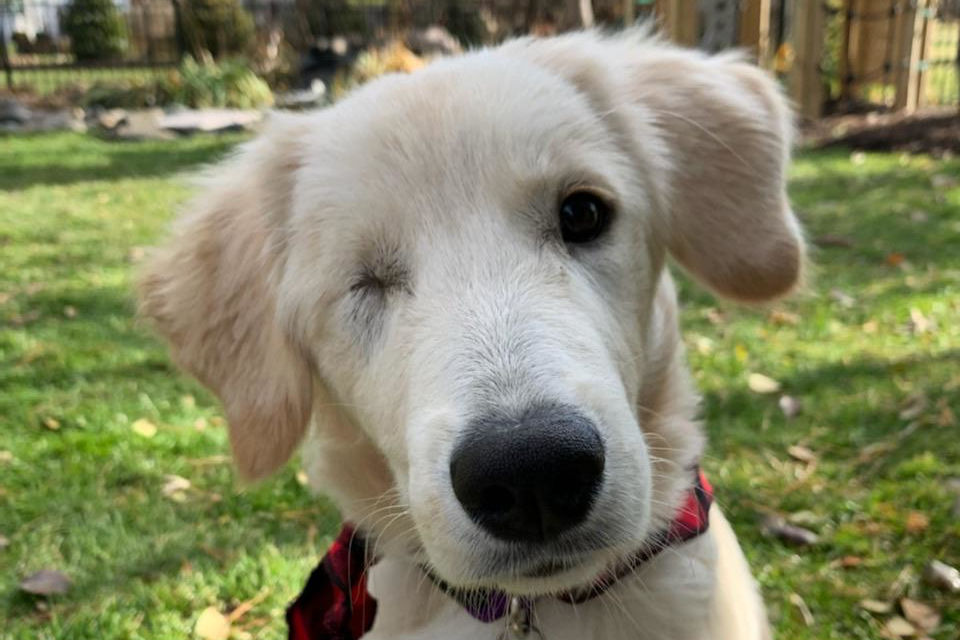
(541, 577)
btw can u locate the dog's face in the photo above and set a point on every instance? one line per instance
(456, 277)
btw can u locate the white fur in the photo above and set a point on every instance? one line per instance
(445, 183)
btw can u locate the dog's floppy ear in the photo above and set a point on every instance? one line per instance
(209, 291)
(720, 129)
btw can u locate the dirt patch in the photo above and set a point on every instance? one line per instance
(934, 131)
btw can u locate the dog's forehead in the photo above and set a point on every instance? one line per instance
(462, 125)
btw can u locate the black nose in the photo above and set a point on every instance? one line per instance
(531, 477)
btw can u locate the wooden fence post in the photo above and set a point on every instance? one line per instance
(805, 82)
(916, 75)
(680, 20)
(902, 59)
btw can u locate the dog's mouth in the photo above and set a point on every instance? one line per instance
(549, 568)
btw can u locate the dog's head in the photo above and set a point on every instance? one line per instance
(454, 281)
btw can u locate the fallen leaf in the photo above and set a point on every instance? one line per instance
(830, 240)
(46, 582)
(790, 406)
(917, 522)
(843, 299)
(943, 576)
(876, 606)
(897, 627)
(870, 326)
(923, 616)
(919, 323)
(760, 383)
(778, 316)
(173, 484)
(895, 259)
(851, 562)
(212, 625)
(51, 423)
(801, 605)
(715, 316)
(777, 527)
(244, 607)
(704, 344)
(144, 428)
(873, 451)
(914, 407)
(946, 417)
(4, 542)
(801, 453)
(6, 457)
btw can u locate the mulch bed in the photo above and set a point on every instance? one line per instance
(933, 131)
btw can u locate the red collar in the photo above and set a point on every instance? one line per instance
(335, 603)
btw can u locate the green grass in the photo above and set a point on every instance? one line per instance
(86, 496)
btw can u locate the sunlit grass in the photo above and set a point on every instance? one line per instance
(82, 491)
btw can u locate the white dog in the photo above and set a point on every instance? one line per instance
(451, 287)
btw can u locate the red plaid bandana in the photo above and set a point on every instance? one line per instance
(335, 604)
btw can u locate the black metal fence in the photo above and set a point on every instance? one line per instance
(35, 49)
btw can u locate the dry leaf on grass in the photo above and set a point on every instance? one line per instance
(4, 542)
(919, 323)
(943, 576)
(6, 457)
(174, 485)
(790, 406)
(923, 616)
(873, 451)
(842, 298)
(760, 383)
(802, 454)
(830, 240)
(917, 522)
(246, 606)
(777, 527)
(876, 606)
(144, 428)
(51, 423)
(212, 625)
(897, 627)
(802, 607)
(46, 582)
(851, 562)
(895, 259)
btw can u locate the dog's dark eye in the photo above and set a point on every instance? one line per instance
(583, 217)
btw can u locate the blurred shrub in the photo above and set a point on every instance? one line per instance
(228, 83)
(217, 27)
(199, 85)
(96, 30)
(127, 94)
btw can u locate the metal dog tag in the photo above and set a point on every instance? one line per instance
(519, 626)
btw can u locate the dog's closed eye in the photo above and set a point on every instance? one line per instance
(369, 292)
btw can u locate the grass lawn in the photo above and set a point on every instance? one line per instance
(871, 350)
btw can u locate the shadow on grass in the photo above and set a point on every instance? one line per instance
(42, 159)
